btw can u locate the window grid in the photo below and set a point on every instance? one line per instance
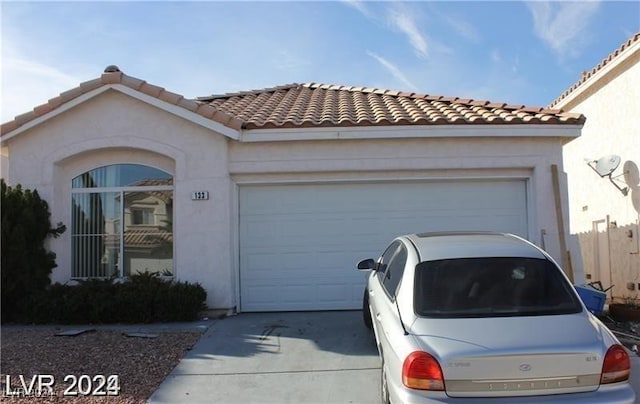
(100, 220)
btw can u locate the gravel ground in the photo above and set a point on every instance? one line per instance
(140, 364)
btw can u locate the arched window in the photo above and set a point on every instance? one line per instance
(122, 222)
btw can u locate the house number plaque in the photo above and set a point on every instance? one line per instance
(200, 195)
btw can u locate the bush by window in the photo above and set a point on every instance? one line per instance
(26, 263)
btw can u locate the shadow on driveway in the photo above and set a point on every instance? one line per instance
(247, 334)
(302, 357)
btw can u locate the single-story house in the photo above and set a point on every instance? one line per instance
(605, 212)
(268, 198)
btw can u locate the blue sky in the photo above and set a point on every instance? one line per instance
(516, 52)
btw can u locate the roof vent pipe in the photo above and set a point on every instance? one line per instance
(112, 69)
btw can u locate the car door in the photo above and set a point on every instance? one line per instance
(385, 313)
(375, 283)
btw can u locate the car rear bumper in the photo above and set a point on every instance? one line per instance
(614, 393)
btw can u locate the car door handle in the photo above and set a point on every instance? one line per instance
(378, 316)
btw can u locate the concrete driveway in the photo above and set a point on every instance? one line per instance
(305, 357)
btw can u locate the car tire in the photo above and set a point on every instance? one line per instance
(384, 387)
(366, 312)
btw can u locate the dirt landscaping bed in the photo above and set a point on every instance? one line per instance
(138, 365)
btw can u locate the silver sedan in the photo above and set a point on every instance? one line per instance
(486, 317)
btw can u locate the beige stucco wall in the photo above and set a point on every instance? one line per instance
(115, 128)
(612, 106)
(4, 162)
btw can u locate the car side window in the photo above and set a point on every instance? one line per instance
(394, 272)
(383, 261)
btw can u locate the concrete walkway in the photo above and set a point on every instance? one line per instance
(310, 357)
(201, 325)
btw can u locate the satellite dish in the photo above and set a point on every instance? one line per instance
(631, 174)
(606, 165)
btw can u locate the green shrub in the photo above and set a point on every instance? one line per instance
(49, 305)
(25, 262)
(145, 290)
(90, 302)
(180, 302)
(143, 298)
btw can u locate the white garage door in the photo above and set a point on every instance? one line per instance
(299, 244)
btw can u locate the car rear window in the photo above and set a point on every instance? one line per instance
(492, 287)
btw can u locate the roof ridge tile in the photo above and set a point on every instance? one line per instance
(171, 98)
(71, 94)
(151, 90)
(132, 82)
(188, 104)
(111, 77)
(91, 85)
(604, 62)
(248, 92)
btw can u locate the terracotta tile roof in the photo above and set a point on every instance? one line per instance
(587, 75)
(149, 237)
(113, 75)
(318, 105)
(324, 105)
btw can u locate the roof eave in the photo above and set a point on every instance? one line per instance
(566, 131)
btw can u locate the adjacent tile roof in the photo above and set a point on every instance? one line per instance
(318, 105)
(150, 237)
(587, 75)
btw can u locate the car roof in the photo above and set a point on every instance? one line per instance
(444, 245)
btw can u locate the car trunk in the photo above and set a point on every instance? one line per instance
(514, 356)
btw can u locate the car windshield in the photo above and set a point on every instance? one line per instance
(492, 287)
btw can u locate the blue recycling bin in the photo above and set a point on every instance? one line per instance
(593, 298)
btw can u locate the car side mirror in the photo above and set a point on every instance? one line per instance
(366, 265)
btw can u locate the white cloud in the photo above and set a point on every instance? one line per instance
(563, 25)
(287, 61)
(516, 64)
(394, 70)
(463, 28)
(404, 20)
(495, 56)
(358, 5)
(499, 61)
(28, 84)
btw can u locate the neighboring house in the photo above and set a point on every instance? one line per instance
(604, 215)
(269, 198)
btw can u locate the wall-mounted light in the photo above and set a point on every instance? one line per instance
(605, 167)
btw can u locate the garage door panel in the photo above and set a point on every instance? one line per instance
(296, 295)
(255, 262)
(299, 244)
